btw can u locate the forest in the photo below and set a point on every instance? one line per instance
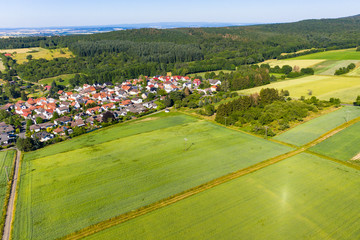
(113, 56)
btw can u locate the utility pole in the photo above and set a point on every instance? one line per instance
(7, 176)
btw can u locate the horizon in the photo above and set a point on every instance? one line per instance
(41, 14)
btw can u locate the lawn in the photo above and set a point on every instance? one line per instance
(71, 185)
(343, 146)
(314, 128)
(323, 87)
(343, 54)
(303, 197)
(65, 77)
(20, 54)
(6, 159)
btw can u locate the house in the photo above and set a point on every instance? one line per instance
(60, 130)
(43, 136)
(35, 128)
(6, 139)
(94, 110)
(7, 129)
(78, 123)
(7, 107)
(125, 103)
(122, 112)
(136, 100)
(47, 88)
(62, 110)
(214, 88)
(108, 106)
(197, 82)
(62, 120)
(214, 82)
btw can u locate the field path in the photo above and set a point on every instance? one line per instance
(10, 208)
(180, 196)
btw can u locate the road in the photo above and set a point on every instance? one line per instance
(10, 208)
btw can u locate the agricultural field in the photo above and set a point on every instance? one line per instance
(343, 54)
(6, 160)
(300, 63)
(65, 77)
(323, 87)
(329, 67)
(112, 171)
(344, 145)
(278, 202)
(20, 54)
(314, 128)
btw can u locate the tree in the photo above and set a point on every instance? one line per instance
(25, 144)
(29, 57)
(108, 117)
(23, 96)
(286, 69)
(357, 102)
(209, 110)
(168, 102)
(187, 91)
(39, 120)
(269, 95)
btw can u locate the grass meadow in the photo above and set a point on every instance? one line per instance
(116, 170)
(314, 128)
(343, 54)
(343, 145)
(323, 87)
(300, 63)
(20, 54)
(278, 202)
(65, 77)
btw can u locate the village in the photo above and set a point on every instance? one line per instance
(88, 106)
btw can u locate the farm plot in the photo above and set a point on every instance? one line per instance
(343, 146)
(6, 162)
(343, 54)
(329, 67)
(268, 204)
(79, 183)
(323, 87)
(300, 63)
(314, 128)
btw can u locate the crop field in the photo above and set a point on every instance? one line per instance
(6, 160)
(65, 77)
(323, 87)
(202, 74)
(20, 54)
(278, 202)
(300, 63)
(329, 67)
(314, 128)
(355, 72)
(343, 145)
(344, 54)
(112, 171)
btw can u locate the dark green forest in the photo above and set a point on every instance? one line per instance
(114, 56)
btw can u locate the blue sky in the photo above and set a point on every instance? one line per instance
(41, 13)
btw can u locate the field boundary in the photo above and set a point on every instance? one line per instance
(346, 163)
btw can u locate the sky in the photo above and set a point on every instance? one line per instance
(49, 13)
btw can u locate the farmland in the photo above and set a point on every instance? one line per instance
(300, 63)
(125, 167)
(343, 146)
(282, 196)
(6, 160)
(313, 129)
(323, 87)
(343, 54)
(20, 54)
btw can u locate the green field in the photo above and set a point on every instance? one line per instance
(20, 54)
(300, 63)
(343, 146)
(6, 159)
(314, 128)
(329, 67)
(202, 74)
(323, 87)
(116, 170)
(2, 67)
(65, 77)
(344, 54)
(303, 197)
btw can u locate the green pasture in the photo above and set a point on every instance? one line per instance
(74, 184)
(329, 67)
(343, 145)
(6, 160)
(323, 87)
(202, 74)
(314, 128)
(343, 54)
(65, 77)
(303, 197)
